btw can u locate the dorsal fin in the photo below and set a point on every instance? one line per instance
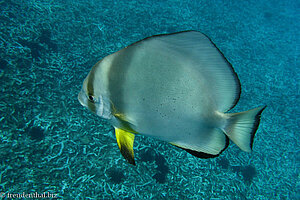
(197, 50)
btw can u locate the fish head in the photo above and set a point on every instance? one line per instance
(91, 97)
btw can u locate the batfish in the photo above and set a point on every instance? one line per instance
(174, 87)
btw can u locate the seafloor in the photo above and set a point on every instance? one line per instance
(50, 143)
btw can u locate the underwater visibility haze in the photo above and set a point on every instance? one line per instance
(179, 87)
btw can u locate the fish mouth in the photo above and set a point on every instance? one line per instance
(82, 98)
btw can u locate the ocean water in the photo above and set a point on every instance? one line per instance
(51, 145)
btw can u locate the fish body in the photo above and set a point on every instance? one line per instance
(173, 87)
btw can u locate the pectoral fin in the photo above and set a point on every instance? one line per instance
(125, 142)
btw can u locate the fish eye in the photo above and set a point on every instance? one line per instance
(91, 98)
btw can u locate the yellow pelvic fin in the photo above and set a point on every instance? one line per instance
(125, 142)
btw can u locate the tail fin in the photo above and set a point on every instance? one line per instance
(241, 127)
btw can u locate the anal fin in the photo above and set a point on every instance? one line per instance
(203, 155)
(206, 144)
(125, 142)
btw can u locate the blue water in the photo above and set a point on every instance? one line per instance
(50, 143)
